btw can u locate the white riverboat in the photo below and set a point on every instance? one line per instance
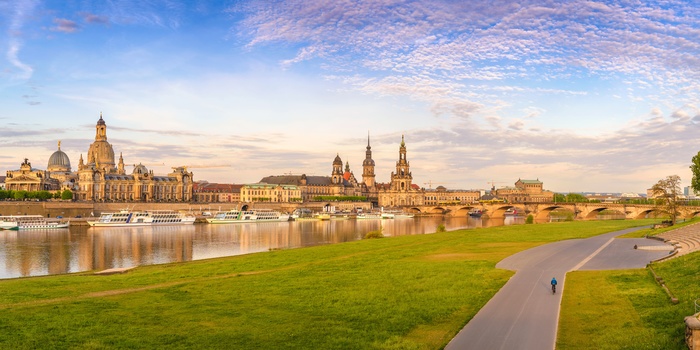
(365, 216)
(142, 218)
(234, 216)
(8, 223)
(30, 222)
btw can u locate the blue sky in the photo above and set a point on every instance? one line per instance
(583, 95)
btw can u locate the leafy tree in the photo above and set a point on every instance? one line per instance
(558, 197)
(667, 192)
(19, 195)
(695, 168)
(66, 194)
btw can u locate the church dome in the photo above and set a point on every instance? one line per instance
(337, 161)
(59, 161)
(368, 162)
(140, 169)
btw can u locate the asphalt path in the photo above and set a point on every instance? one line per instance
(524, 314)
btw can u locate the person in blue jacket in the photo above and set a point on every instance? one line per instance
(554, 285)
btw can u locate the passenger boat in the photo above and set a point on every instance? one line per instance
(142, 218)
(237, 216)
(364, 216)
(30, 222)
(476, 213)
(8, 223)
(395, 214)
(323, 216)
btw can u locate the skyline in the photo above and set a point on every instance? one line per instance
(586, 96)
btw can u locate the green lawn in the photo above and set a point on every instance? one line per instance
(627, 309)
(405, 292)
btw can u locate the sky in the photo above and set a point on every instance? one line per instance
(595, 96)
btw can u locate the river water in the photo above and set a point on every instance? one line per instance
(80, 248)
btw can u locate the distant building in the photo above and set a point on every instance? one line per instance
(274, 193)
(525, 191)
(207, 192)
(2, 182)
(443, 196)
(27, 178)
(401, 190)
(100, 179)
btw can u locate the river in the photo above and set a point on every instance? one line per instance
(50, 252)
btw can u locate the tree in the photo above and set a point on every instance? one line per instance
(667, 192)
(67, 194)
(695, 168)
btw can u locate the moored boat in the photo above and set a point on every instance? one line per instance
(476, 213)
(234, 216)
(364, 216)
(142, 218)
(8, 223)
(30, 222)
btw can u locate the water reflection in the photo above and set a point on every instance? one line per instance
(48, 252)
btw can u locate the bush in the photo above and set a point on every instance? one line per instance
(530, 219)
(440, 228)
(374, 234)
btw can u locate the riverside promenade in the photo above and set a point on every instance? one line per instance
(524, 314)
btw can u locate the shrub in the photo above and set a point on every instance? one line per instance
(440, 228)
(374, 234)
(530, 219)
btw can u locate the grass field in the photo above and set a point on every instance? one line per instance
(627, 309)
(406, 292)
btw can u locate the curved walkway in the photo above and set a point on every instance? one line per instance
(524, 314)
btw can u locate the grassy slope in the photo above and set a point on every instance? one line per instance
(627, 309)
(396, 293)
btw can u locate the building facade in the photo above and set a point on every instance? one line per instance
(401, 190)
(101, 179)
(27, 178)
(207, 192)
(271, 193)
(525, 191)
(443, 196)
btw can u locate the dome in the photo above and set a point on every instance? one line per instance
(59, 161)
(140, 169)
(337, 160)
(368, 161)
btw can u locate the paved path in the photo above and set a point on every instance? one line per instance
(524, 314)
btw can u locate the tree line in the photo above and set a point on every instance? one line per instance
(39, 195)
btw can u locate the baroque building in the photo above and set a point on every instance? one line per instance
(525, 191)
(59, 169)
(27, 178)
(401, 190)
(338, 184)
(101, 179)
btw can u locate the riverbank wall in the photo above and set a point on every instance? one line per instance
(68, 209)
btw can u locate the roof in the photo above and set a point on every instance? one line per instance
(530, 181)
(216, 187)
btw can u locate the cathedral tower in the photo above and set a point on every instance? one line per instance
(100, 153)
(337, 175)
(402, 179)
(368, 167)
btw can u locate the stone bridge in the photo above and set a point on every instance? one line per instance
(583, 211)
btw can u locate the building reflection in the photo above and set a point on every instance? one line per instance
(48, 252)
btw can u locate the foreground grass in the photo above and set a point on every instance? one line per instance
(627, 309)
(406, 292)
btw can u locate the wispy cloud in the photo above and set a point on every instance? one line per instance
(93, 18)
(64, 25)
(18, 14)
(444, 51)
